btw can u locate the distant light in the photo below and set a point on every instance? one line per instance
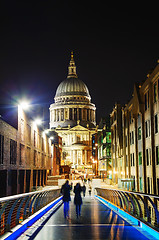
(46, 131)
(38, 121)
(24, 105)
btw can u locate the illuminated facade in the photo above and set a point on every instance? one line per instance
(25, 156)
(73, 118)
(104, 150)
(135, 138)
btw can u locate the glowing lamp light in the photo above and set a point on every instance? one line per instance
(38, 121)
(24, 105)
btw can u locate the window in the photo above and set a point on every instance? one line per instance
(1, 148)
(62, 114)
(28, 134)
(13, 152)
(35, 157)
(140, 183)
(140, 158)
(133, 159)
(108, 137)
(139, 133)
(156, 123)
(131, 138)
(22, 154)
(148, 185)
(147, 156)
(147, 128)
(35, 138)
(157, 155)
(155, 92)
(146, 100)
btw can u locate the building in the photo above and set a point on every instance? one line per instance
(136, 158)
(25, 156)
(104, 150)
(117, 144)
(73, 117)
(57, 155)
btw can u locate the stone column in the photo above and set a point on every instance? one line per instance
(77, 154)
(73, 153)
(85, 156)
(81, 157)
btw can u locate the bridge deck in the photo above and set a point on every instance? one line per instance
(97, 221)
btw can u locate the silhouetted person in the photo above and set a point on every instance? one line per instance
(78, 199)
(84, 190)
(90, 190)
(65, 190)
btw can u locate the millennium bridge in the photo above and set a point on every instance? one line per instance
(106, 214)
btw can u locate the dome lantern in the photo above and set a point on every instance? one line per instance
(72, 68)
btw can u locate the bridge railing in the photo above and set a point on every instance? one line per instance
(145, 207)
(16, 208)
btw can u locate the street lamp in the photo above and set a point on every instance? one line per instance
(24, 105)
(38, 121)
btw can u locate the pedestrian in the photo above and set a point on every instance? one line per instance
(84, 190)
(78, 199)
(90, 190)
(65, 190)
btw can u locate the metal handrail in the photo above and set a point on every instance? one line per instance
(143, 206)
(14, 209)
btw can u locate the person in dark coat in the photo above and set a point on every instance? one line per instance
(84, 190)
(65, 190)
(78, 199)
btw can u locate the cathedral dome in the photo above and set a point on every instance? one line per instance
(72, 86)
(72, 102)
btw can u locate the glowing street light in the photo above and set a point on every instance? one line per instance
(24, 105)
(38, 121)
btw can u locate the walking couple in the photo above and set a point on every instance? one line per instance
(65, 190)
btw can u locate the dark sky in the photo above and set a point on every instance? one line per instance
(114, 47)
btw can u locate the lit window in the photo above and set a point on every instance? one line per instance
(140, 158)
(155, 92)
(139, 133)
(157, 155)
(156, 123)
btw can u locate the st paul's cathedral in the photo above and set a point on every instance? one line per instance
(73, 117)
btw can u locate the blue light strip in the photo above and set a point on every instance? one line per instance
(19, 230)
(126, 215)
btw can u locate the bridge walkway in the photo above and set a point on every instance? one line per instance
(97, 221)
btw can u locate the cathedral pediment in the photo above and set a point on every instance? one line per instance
(78, 128)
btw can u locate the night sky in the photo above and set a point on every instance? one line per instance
(114, 47)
